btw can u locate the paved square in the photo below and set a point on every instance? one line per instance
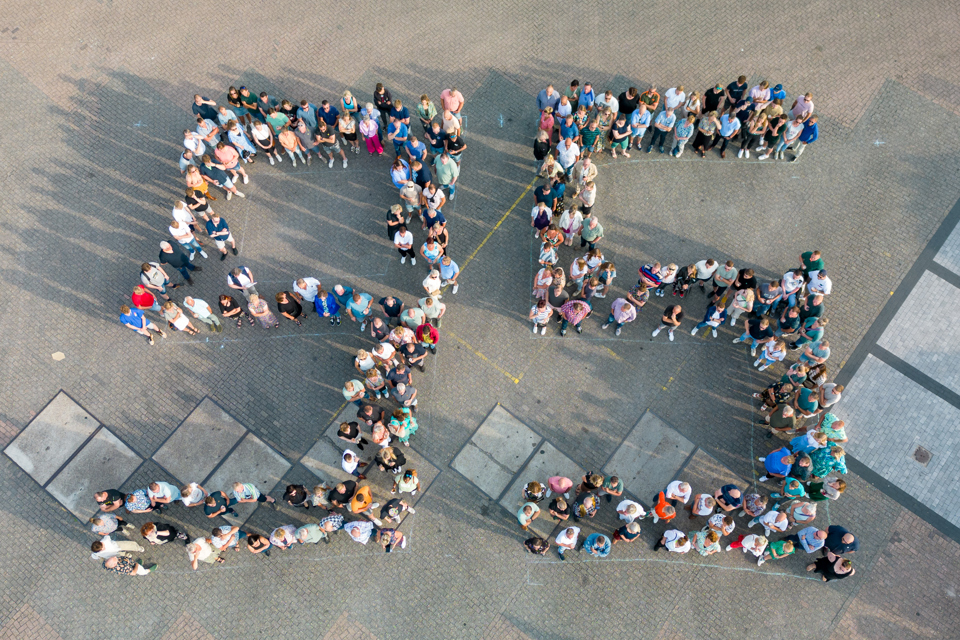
(103, 463)
(546, 462)
(926, 330)
(649, 458)
(496, 452)
(200, 443)
(706, 474)
(949, 254)
(51, 438)
(252, 461)
(889, 417)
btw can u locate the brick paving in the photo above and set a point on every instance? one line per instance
(90, 180)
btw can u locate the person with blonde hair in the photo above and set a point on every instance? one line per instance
(776, 550)
(248, 492)
(200, 550)
(258, 309)
(348, 132)
(177, 320)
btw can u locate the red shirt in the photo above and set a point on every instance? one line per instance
(428, 333)
(143, 300)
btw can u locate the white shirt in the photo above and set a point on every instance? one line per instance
(700, 506)
(400, 238)
(791, 282)
(310, 293)
(672, 536)
(205, 548)
(350, 466)
(241, 280)
(673, 98)
(567, 156)
(611, 102)
(166, 489)
(562, 536)
(182, 235)
(195, 144)
(184, 215)
(748, 545)
(822, 286)
(704, 272)
(432, 284)
(199, 307)
(385, 351)
(673, 489)
(803, 106)
(195, 496)
(769, 522)
(626, 517)
(110, 549)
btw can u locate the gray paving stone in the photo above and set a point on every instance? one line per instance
(496, 452)
(949, 253)
(252, 461)
(649, 458)
(546, 462)
(887, 417)
(51, 438)
(925, 332)
(200, 443)
(103, 463)
(706, 474)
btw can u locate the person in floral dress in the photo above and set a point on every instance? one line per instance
(261, 311)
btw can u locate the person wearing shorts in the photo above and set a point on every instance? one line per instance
(264, 139)
(327, 138)
(620, 136)
(219, 232)
(176, 318)
(249, 102)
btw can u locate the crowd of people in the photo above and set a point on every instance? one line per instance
(782, 315)
(225, 139)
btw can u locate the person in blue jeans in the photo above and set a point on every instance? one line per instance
(811, 331)
(758, 332)
(714, 317)
(767, 296)
(397, 133)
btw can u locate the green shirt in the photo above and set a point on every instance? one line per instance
(426, 114)
(314, 533)
(776, 548)
(277, 121)
(811, 265)
(607, 485)
(446, 172)
(591, 235)
(589, 136)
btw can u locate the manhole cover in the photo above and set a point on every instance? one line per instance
(922, 456)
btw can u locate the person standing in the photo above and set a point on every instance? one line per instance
(621, 312)
(158, 533)
(714, 317)
(241, 279)
(682, 134)
(202, 312)
(219, 232)
(288, 306)
(662, 125)
(177, 320)
(103, 524)
(178, 259)
(808, 136)
(135, 320)
(673, 540)
(729, 129)
(670, 320)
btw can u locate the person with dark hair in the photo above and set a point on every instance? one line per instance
(297, 495)
(537, 546)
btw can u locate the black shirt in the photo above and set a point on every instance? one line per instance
(291, 306)
(393, 504)
(753, 326)
(383, 101)
(436, 139)
(165, 532)
(683, 275)
(176, 258)
(205, 111)
(668, 313)
(745, 282)
(228, 305)
(351, 431)
(412, 351)
(349, 488)
(219, 501)
(380, 331)
(422, 177)
(395, 377)
(554, 300)
(711, 99)
(736, 90)
(541, 149)
(396, 464)
(393, 309)
(194, 202)
(556, 509)
(834, 541)
(113, 497)
(454, 145)
(296, 494)
(628, 105)
(811, 311)
(371, 413)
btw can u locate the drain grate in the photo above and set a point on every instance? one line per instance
(922, 456)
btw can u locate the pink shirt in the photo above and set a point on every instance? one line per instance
(452, 101)
(559, 484)
(227, 156)
(804, 106)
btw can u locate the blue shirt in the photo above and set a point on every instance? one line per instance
(400, 114)
(347, 295)
(434, 219)
(359, 309)
(568, 130)
(587, 99)
(330, 117)
(449, 271)
(437, 139)
(326, 305)
(309, 115)
(417, 151)
(214, 173)
(216, 228)
(809, 133)
(666, 121)
(544, 101)
(133, 319)
(590, 545)
(399, 130)
(638, 120)
(778, 93)
(728, 125)
(774, 464)
(712, 316)
(810, 544)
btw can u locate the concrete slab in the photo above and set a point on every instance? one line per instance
(649, 458)
(200, 443)
(496, 452)
(51, 438)
(547, 461)
(705, 474)
(252, 461)
(103, 463)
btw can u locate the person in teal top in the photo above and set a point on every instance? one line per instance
(795, 375)
(806, 402)
(833, 427)
(811, 331)
(597, 545)
(706, 541)
(791, 489)
(827, 460)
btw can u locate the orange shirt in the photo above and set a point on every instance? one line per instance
(659, 509)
